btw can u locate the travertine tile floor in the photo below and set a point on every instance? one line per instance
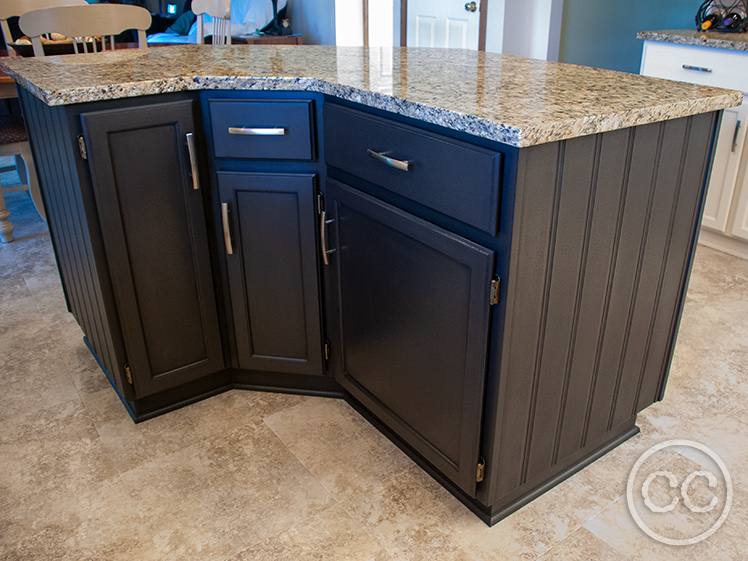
(258, 476)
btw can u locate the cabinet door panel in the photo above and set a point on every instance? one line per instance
(724, 175)
(154, 230)
(414, 313)
(273, 271)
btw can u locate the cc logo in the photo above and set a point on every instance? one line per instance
(684, 492)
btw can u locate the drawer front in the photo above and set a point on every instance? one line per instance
(449, 176)
(266, 130)
(705, 66)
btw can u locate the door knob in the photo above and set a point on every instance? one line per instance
(471, 6)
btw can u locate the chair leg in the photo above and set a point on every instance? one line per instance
(6, 226)
(36, 194)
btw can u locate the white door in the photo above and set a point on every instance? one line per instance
(443, 23)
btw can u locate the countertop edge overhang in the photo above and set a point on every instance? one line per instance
(714, 39)
(551, 102)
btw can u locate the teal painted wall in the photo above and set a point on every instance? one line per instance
(602, 33)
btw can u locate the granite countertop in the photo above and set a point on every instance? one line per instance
(715, 39)
(517, 101)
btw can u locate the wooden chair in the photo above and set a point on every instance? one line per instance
(13, 139)
(81, 22)
(16, 8)
(220, 11)
(14, 142)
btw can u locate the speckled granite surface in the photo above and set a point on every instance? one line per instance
(518, 101)
(715, 39)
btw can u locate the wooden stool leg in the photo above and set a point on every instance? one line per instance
(6, 226)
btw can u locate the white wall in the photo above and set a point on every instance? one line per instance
(314, 18)
(349, 22)
(495, 26)
(529, 28)
(381, 32)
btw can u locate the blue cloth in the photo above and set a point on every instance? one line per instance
(247, 16)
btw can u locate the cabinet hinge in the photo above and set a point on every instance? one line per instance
(82, 147)
(320, 203)
(495, 291)
(480, 473)
(128, 374)
(327, 350)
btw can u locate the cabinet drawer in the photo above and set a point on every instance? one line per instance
(267, 130)
(705, 66)
(449, 176)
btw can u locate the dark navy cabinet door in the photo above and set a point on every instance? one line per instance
(414, 315)
(271, 256)
(153, 227)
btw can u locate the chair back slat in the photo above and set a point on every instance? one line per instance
(220, 11)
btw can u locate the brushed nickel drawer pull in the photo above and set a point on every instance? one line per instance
(323, 222)
(193, 160)
(259, 131)
(402, 165)
(226, 228)
(698, 68)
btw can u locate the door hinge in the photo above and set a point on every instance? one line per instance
(480, 473)
(128, 374)
(320, 203)
(495, 291)
(327, 350)
(82, 147)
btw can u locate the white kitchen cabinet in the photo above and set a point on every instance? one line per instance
(725, 219)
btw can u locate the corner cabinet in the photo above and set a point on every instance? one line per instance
(725, 219)
(147, 185)
(267, 175)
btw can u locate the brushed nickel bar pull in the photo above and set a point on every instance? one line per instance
(323, 222)
(735, 136)
(402, 165)
(226, 228)
(697, 68)
(259, 131)
(193, 160)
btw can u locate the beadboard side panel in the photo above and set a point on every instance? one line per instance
(605, 227)
(74, 228)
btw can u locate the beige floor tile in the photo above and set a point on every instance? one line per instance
(33, 382)
(729, 441)
(215, 498)
(50, 454)
(617, 528)
(331, 535)
(411, 516)
(343, 451)
(134, 444)
(101, 523)
(583, 545)
(728, 543)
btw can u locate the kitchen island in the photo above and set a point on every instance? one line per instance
(486, 255)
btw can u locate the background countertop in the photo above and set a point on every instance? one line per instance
(715, 39)
(518, 101)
